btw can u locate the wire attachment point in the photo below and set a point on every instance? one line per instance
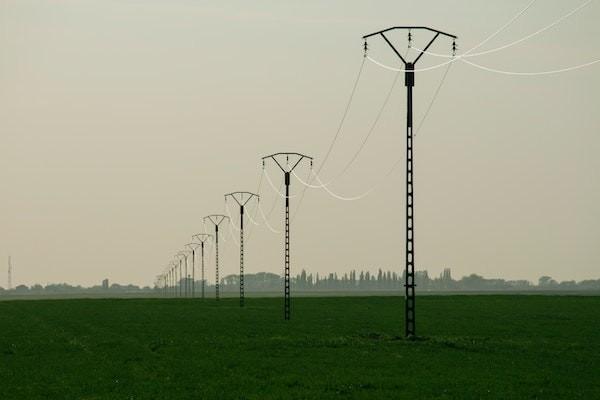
(409, 39)
(365, 48)
(453, 47)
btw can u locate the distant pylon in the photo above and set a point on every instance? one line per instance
(9, 274)
(216, 220)
(287, 170)
(242, 198)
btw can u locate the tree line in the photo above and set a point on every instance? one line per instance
(350, 281)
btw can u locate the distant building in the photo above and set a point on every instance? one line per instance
(105, 284)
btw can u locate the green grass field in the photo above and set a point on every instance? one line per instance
(488, 347)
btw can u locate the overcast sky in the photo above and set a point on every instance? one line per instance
(123, 123)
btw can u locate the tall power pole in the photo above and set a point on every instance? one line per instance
(409, 77)
(193, 246)
(185, 255)
(216, 220)
(242, 198)
(287, 170)
(9, 274)
(179, 258)
(202, 237)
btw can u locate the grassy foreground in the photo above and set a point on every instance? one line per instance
(490, 347)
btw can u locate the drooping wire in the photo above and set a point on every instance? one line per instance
(323, 186)
(502, 28)
(369, 132)
(524, 38)
(275, 188)
(497, 32)
(435, 95)
(373, 125)
(404, 70)
(266, 219)
(228, 211)
(237, 243)
(345, 114)
(537, 73)
(390, 171)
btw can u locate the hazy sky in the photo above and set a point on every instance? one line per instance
(123, 123)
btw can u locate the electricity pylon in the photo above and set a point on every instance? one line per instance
(409, 77)
(185, 255)
(193, 246)
(202, 237)
(286, 176)
(239, 198)
(179, 257)
(216, 219)
(9, 274)
(174, 278)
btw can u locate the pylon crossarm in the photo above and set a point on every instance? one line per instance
(202, 237)
(426, 48)
(393, 48)
(411, 28)
(241, 201)
(274, 157)
(216, 218)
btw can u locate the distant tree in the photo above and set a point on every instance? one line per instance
(546, 282)
(22, 289)
(472, 282)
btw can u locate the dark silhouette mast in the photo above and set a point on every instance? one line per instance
(286, 175)
(409, 77)
(241, 201)
(216, 220)
(202, 237)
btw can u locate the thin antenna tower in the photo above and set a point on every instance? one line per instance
(202, 237)
(216, 219)
(239, 198)
(409, 76)
(286, 175)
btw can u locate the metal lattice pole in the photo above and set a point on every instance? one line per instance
(216, 219)
(286, 313)
(193, 246)
(202, 237)
(242, 198)
(409, 74)
(202, 270)
(242, 256)
(217, 262)
(286, 174)
(193, 273)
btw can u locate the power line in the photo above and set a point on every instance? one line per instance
(538, 73)
(524, 38)
(435, 95)
(216, 220)
(369, 132)
(344, 115)
(241, 198)
(409, 66)
(286, 174)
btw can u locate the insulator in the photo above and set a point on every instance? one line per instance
(366, 47)
(409, 39)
